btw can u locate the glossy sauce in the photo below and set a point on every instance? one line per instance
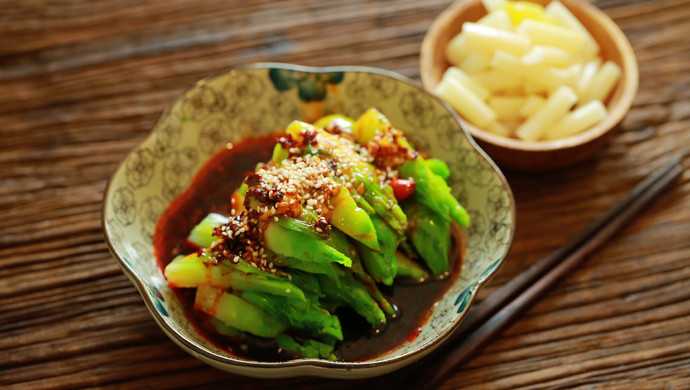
(210, 191)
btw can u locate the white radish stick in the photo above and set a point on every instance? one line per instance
(488, 39)
(542, 33)
(465, 102)
(602, 84)
(496, 80)
(464, 79)
(555, 108)
(561, 15)
(577, 121)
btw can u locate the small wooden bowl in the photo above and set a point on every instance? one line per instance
(543, 155)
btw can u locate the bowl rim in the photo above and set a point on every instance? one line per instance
(629, 79)
(218, 360)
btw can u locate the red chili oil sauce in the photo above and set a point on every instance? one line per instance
(210, 191)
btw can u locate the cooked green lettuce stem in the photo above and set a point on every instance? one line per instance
(317, 228)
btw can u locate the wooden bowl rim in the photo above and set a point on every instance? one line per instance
(616, 112)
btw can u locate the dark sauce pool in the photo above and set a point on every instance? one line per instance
(210, 192)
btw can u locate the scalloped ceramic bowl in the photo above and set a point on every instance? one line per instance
(247, 102)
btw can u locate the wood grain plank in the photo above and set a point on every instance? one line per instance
(79, 77)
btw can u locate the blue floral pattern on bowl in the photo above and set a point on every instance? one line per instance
(311, 86)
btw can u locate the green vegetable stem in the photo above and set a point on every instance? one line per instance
(305, 316)
(430, 236)
(408, 268)
(274, 275)
(236, 312)
(305, 348)
(202, 233)
(352, 220)
(381, 265)
(433, 191)
(198, 269)
(301, 246)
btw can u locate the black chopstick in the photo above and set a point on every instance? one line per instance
(492, 315)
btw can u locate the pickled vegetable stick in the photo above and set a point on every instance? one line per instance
(496, 80)
(548, 34)
(506, 107)
(602, 83)
(499, 128)
(589, 70)
(498, 19)
(578, 120)
(521, 10)
(488, 39)
(548, 56)
(548, 77)
(511, 125)
(464, 79)
(492, 5)
(531, 88)
(475, 62)
(574, 74)
(560, 14)
(557, 12)
(457, 50)
(467, 103)
(555, 108)
(532, 104)
(517, 91)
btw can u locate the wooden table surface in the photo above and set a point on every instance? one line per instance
(82, 82)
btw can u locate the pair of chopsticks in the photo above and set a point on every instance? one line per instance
(496, 312)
